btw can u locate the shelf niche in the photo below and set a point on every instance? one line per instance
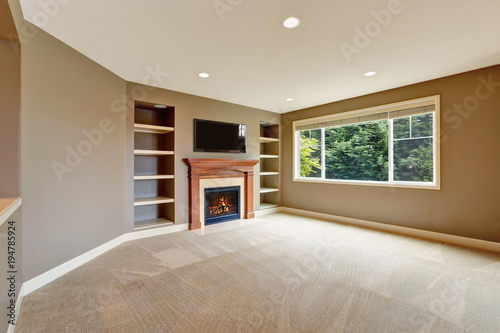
(154, 178)
(269, 165)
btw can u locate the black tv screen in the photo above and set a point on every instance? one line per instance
(216, 136)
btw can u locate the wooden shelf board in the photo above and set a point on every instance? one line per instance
(152, 201)
(266, 173)
(6, 203)
(160, 221)
(7, 207)
(154, 129)
(266, 139)
(269, 156)
(152, 152)
(265, 205)
(268, 189)
(153, 177)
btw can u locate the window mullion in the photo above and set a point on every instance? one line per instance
(297, 155)
(411, 126)
(323, 172)
(391, 152)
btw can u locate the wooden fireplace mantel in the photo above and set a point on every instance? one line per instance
(202, 168)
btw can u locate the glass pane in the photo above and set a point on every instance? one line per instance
(401, 128)
(413, 160)
(310, 159)
(421, 125)
(304, 135)
(357, 152)
(316, 134)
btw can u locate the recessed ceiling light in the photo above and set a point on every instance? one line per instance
(370, 73)
(204, 75)
(289, 99)
(291, 22)
(159, 106)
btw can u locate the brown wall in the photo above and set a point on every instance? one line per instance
(8, 29)
(64, 94)
(468, 203)
(10, 105)
(188, 107)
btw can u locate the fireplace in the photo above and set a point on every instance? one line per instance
(207, 173)
(222, 204)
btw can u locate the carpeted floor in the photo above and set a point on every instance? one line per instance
(282, 274)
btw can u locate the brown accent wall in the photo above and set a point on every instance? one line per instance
(10, 105)
(72, 177)
(468, 203)
(187, 108)
(8, 30)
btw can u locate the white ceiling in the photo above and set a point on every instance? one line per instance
(254, 61)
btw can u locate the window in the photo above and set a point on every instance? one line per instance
(310, 153)
(391, 145)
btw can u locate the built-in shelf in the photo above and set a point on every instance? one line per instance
(153, 177)
(264, 173)
(138, 152)
(268, 189)
(152, 223)
(269, 165)
(154, 129)
(152, 201)
(266, 139)
(265, 205)
(154, 165)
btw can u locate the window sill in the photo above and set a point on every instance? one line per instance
(420, 186)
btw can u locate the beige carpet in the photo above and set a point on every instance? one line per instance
(283, 274)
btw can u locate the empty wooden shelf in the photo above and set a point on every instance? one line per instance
(268, 189)
(269, 173)
(265, 205)
(153, 177)
(152, 201)
(265, 139)
(154, 129)
(152, 152)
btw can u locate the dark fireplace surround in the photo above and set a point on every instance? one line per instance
(205, 168)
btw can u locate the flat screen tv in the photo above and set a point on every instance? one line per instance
(216, 136)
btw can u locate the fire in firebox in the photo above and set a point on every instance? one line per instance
(222, 204)
(222, 208)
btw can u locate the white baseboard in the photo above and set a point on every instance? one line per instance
(51, 275)
(428, 235)
(56, 272)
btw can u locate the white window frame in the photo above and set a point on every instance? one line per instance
(425, 101)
